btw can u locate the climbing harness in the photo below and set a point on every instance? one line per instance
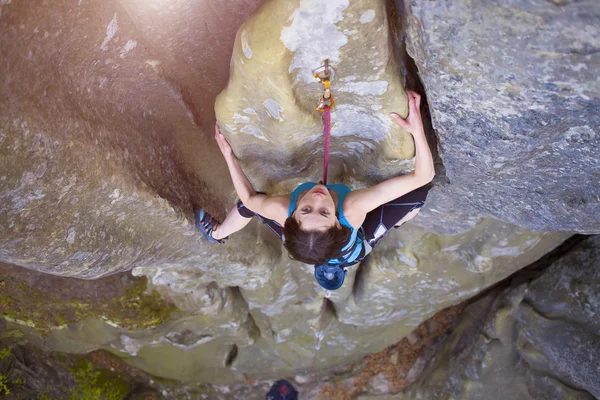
(324, 75)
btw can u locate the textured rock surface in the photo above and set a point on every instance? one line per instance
(105, 141)
(102, 131)
(267, 111)
(537, 340)
(394, 364)
(29, 373)
(274, 325)
(514, 93)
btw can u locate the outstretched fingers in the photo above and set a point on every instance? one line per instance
(414, 100)
(222, 142)
(412, 123)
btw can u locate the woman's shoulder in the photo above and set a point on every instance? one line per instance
(353, 214)
(271, 207)
(282, 202)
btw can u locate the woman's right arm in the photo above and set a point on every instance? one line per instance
(358, 203)
(272, 207)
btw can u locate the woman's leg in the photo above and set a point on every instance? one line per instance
(238, 218)
(408, 216)
(232, 223)
(393, 214)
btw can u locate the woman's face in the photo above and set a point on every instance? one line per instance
(315, 210)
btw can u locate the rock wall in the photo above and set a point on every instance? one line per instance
(514, 98)
(102, 131)
(413, 275)
(536, 340)
(267, 111)
(105, 135)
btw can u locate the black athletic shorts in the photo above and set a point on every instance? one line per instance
(382, 219)
(377, 223)
(273, 226)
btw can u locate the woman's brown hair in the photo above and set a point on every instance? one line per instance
(313, 247)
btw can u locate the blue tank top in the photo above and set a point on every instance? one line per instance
(342, 191)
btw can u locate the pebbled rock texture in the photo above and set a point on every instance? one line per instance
(536, 340)
(514, 96)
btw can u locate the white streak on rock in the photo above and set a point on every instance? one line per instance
(130, 45)
(367, 16)
(408, 259)
(111, 31)
(71, 235)
(153, 63)
(130, 345)
(240, 119)
(375, 88)
(254, 131)
(452, 248)
(274, 109)
(246, 46)
(357, 121)
(479, 264)
(529, 244)
(506, 251)
(249, 111)
(313, 36)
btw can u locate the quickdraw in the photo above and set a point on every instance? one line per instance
(325, 75)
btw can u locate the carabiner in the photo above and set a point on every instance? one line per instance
(324, 72)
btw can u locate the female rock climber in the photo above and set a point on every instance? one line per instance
(330, 226)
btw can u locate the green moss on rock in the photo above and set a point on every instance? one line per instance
(94, 384)
(56, 301)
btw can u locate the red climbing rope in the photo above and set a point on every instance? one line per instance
(326, 140)
(325, 74)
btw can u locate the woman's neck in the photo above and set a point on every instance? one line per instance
(335, 198)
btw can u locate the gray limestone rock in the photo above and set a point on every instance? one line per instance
(538, 340)
(514, 97)
(106, 143)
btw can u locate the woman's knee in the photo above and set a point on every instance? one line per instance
(244, 212)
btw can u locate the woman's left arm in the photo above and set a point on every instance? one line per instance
(272, 207)
(360, 202)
